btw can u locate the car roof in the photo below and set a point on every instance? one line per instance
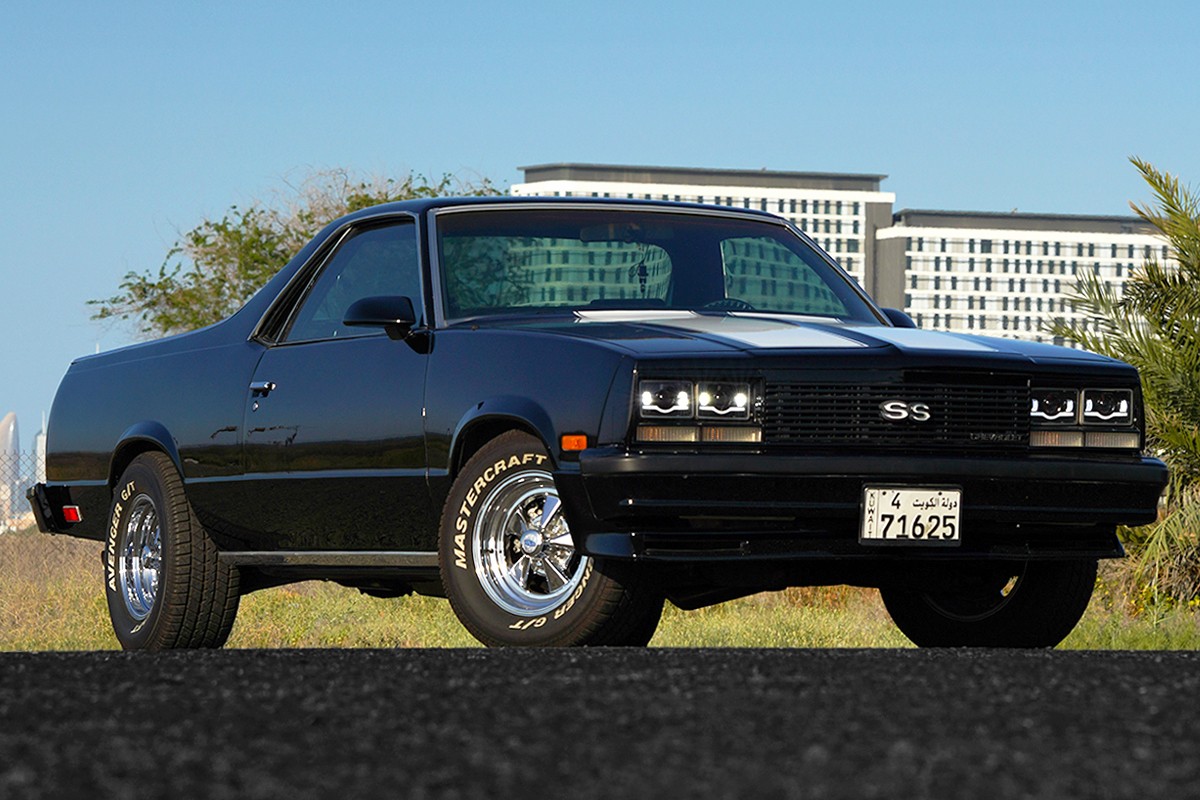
(424, 204)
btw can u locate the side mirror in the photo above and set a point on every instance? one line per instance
(394, 314)
(899, 318)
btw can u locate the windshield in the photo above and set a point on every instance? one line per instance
(504, 261)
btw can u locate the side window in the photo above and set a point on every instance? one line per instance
(373, 261)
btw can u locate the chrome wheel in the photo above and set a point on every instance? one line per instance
(139, 570)
(524, 555)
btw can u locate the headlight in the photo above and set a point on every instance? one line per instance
(665, 399)
(1055, 406)
(723, 400)
(1107, 407)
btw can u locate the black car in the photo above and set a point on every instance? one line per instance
(558, 413)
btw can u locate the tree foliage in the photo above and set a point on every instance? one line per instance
(1155, 325)
(215, 267)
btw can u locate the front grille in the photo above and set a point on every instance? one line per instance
(989, 414)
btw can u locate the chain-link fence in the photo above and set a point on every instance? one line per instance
(18, 471)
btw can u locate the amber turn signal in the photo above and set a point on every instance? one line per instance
(573, 441)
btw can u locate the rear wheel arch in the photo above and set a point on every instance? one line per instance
(141, 438)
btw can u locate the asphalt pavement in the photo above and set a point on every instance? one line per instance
(600, 723)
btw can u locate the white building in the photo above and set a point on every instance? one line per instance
(1004, 274)
(840, 211)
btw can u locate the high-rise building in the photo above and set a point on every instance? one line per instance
(961, 271)
(10, 478)
(39, 453)
(10, 439)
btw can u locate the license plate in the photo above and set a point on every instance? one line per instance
(914, 515)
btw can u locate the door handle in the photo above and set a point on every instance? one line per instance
(261, 388)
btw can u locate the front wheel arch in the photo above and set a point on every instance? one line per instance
(492, 419)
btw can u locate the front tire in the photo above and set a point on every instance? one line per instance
(510, 566)
(1022, 604)
(165, 586)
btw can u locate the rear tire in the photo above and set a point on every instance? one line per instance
(165, 586)
(1022, 604)
(510, 567)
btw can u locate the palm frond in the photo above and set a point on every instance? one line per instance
(1155, 326)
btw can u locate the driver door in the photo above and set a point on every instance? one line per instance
(334, 442)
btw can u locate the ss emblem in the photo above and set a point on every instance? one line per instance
(897, 410)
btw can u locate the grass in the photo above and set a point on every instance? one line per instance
(52, 598)
(51, 594)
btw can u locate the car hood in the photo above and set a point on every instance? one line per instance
(687, 333)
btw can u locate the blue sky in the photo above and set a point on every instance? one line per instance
(126, 123)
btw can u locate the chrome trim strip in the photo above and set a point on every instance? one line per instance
(331, 558)
(583, 203)
(316, 474)
(435, 270)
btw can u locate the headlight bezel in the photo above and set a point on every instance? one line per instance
(1123, 416)
(721, 410)
(1059, 418)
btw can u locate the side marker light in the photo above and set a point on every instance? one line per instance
(574, 442)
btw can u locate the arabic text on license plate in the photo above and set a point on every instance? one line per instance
(911, 515)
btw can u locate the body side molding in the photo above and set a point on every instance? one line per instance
(331, 558)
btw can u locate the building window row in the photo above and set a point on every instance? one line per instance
(792, 206)
(972, 302)
(978, 284)
(918, 244)
(1017, 266)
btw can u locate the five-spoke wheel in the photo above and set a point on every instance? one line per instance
(525, 558)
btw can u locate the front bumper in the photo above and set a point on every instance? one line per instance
(734, 506)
